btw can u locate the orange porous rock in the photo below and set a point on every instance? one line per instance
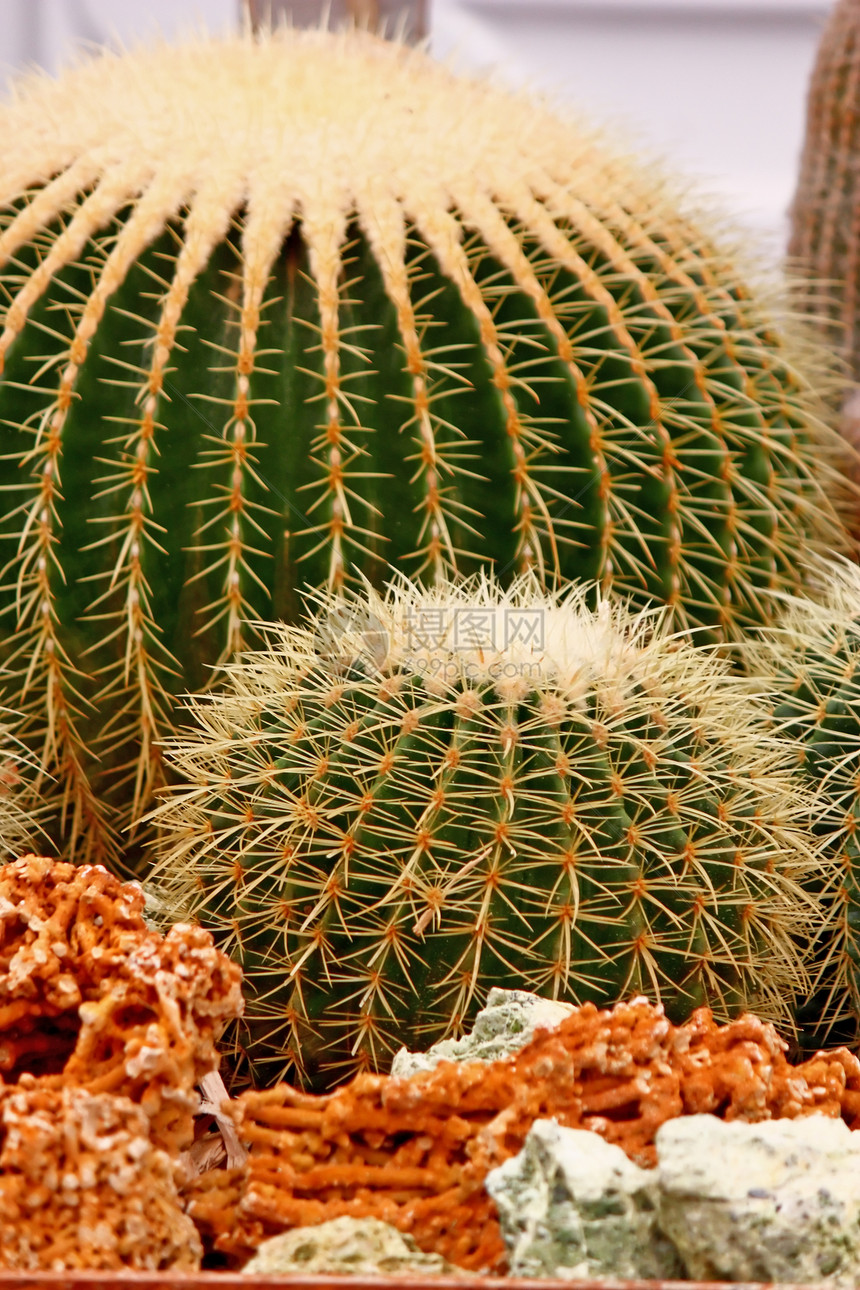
(83, 1187)
(415, 1152)
(90, 996)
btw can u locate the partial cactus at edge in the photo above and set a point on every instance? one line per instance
(825, 213)
(297, 309)
(825, 233)
(810, 660)
(386, 813)
(21, 810)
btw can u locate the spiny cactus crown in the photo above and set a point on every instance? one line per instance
(426, 793)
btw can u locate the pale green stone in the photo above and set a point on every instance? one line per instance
(777, 1201)
(574, 1206)
(509, 1021)
(343, 1246)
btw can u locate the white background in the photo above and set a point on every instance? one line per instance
(717, 86)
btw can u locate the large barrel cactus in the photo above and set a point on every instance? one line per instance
(295, 309)
(418, 797)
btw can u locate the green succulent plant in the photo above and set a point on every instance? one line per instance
(296, 309)
(810, 660)
(823, 238)
(422, 795)
(824, 245)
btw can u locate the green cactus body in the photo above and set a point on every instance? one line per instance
(296, 310)
(382, 822)
(824, 231)
(811, 660)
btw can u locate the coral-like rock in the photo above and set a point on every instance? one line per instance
(83, 1187)
(90, 996)
(572, 1205)
(354, 1246)
(774, 1202)
(415, 1152)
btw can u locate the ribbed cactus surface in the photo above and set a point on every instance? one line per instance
(811, 661)
(295, 309)
(825, 232)
(422, 796)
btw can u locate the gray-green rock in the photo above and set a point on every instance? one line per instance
(775, 1201)
(347, 1246)
(508, 1022)
(574, 1206)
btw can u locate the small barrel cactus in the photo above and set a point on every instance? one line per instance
(299, 308)
(810, 660)
(420, 796)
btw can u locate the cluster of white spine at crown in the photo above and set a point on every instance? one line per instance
(519, 640)
(833, 612)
